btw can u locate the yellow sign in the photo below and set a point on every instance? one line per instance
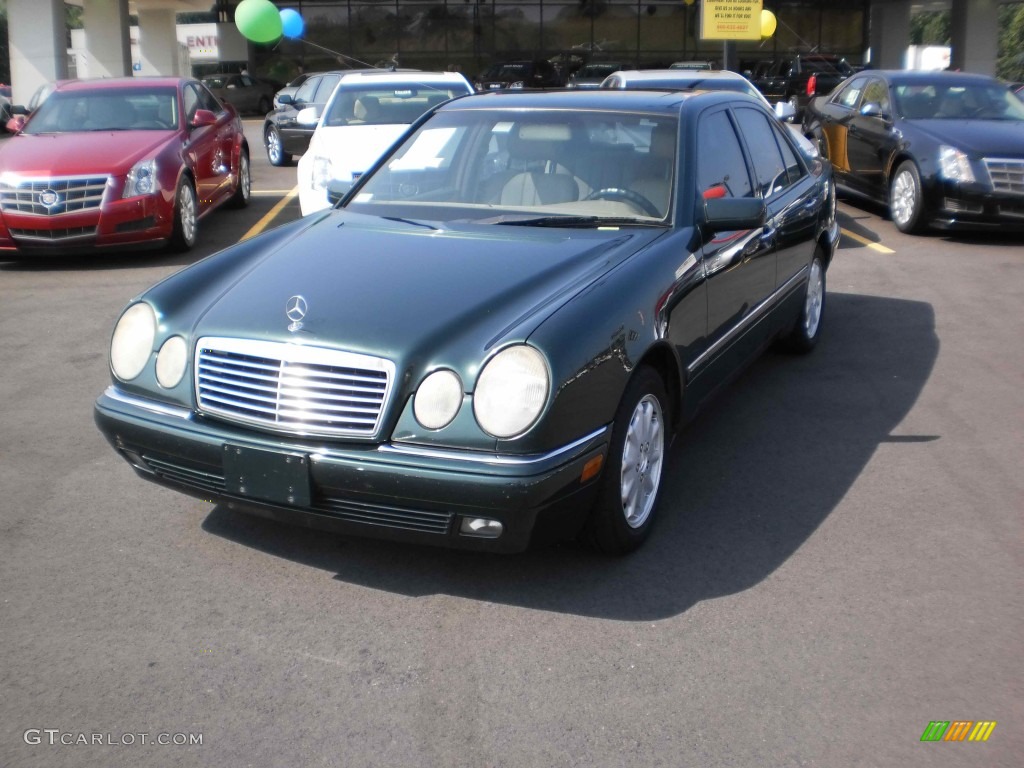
(730, 20)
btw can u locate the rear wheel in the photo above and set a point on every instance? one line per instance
(807, 330)
(622, 517)
(186, 216)
(264, 106)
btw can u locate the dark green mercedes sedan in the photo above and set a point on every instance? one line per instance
(492, 337)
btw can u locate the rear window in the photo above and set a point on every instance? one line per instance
(385, 106)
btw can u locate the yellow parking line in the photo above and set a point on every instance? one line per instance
(269, 192)
(263, 223)
(869, 243)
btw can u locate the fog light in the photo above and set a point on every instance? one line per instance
(481, 527)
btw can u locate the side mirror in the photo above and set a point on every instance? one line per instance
(203, 117)
(15, 124)
(285, 98)
(337, 189)
(785, 111)
(726, 214)
(18, 109)
(308, 117)
(874, 110)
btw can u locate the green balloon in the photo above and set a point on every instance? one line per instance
(258, 20)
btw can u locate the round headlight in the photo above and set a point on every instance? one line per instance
(133, 341)
(438, 399)
(170, 362)
(511, 391)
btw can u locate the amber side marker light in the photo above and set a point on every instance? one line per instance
(591, 469)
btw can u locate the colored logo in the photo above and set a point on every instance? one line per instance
(48, 198)
(958, 730)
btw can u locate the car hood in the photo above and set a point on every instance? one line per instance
(354, 148)
(405, 292)
(75, 154)
(992, 138)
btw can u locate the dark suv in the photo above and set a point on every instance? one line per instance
(797, 79)
(519, 74)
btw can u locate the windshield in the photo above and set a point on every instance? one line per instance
(135, 109)
(386, 104)
(957, 101)
(507, 166)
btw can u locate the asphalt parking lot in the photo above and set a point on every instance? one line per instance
(838, 561)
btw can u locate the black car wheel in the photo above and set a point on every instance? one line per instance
(244, 189)
(622, 517)
(275, 151)
(186, 216)
(906, 203)
(807, 330)
(264, 105)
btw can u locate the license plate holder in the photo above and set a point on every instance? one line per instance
(274, 476)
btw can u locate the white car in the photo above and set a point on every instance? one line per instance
(679, 78)
(366, 113)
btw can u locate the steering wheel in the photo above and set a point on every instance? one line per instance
(627, 196)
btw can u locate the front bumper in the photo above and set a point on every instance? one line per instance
(118, 223)
(964, 207)
(388, 491)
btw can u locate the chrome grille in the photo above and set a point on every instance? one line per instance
(292, 388)
(53, 235)
(71, 194)
(1007, 175)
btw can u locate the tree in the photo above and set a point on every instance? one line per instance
(1010, 61)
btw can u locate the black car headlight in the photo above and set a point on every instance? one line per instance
(511, 391)
(132, 343)
(955, 165)
(438, 399)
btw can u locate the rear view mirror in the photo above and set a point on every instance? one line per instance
(203, 117)
(874, 110)
(726, 214)
(785, 111)
(284, 98)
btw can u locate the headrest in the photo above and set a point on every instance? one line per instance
(539, 141)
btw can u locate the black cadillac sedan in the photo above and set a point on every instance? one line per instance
(284, 135)
(942, 149)
(492, 337)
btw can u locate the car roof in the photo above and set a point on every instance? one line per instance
(596, 99)
(400, 76)
(927, 76)
(640, 75)
(115, 83)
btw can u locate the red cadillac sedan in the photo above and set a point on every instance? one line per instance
(128, 162)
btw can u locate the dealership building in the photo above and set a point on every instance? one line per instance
(468, 35)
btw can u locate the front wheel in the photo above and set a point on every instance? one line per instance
(275, 149)
(807, 330)
(906, 202)
(186, 217)
(625, 509)
(243, 188)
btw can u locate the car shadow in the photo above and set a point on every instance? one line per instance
(747, 483)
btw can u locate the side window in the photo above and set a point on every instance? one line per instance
(794, 168)
(307, 90)
(327, 83)
(849, 96)
(246, 82)
(208, 101)
(721, 169)
(876, 92)
(769, 166)
(191, 99)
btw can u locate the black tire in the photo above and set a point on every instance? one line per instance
(906, 200)
(807, 329)
(244, 189)
(639, 447)
(275, 149)
(186, 217)
(264, 106)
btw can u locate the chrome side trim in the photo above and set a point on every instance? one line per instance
(146, 404)
(752, 317)
(482, 457)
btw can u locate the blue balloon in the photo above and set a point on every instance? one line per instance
(292, 23)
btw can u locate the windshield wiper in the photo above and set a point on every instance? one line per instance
(578, 222)
(409, 221)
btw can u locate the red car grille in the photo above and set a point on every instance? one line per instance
(52, 196)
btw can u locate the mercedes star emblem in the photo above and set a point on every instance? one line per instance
(296, 309)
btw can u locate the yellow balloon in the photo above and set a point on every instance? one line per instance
(768, 23)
